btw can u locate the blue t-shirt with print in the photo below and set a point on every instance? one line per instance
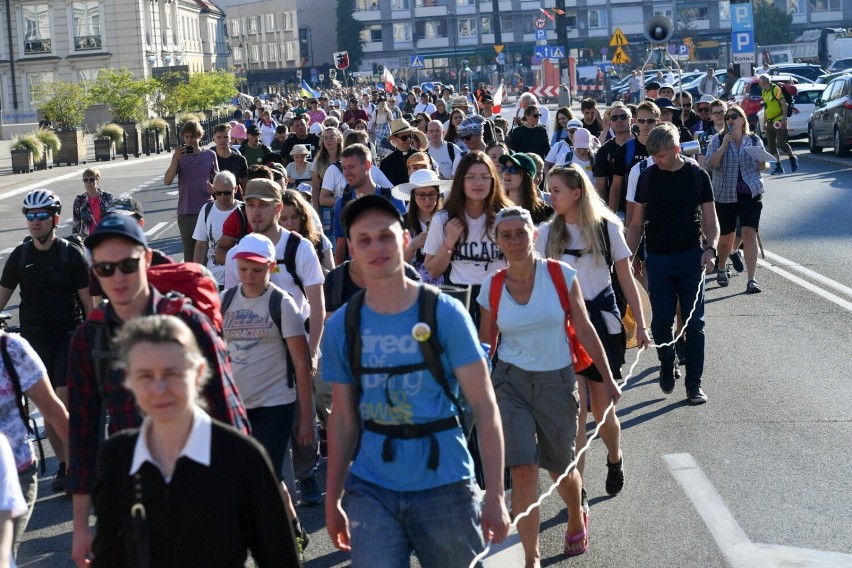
(416, 397)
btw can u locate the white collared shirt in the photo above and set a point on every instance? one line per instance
(197, 447)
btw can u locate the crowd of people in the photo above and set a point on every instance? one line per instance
(314, 328)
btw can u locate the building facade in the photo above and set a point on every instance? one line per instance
(73, 40)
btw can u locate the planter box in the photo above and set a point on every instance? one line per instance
(73, 151)
(22, 162)
(134, 139)
(46, 162)
(104, 150)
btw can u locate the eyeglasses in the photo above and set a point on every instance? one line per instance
(40, 216)
(732, 117)
(646, 120)
(89, 180)
(471, 178)
(426, 196)
(704, 109)
(129, 265)
(218, 193)
(717, 112)
(405, 138)
(512, 169)
(617, 117)
(536, 115)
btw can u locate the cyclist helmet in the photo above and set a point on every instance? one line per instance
(42, 199)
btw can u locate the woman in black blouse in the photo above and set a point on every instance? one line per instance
(531, 137)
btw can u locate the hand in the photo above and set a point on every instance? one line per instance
(726, 140)
(305, 430)
(637, 266)
(337, 525)
(495, 520)
(314, 364)
(708, 260)
(642, 339)
(453, 230)
(81, 547)
(418, 241)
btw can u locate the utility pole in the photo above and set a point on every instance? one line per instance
(498, 34)
(561, 34)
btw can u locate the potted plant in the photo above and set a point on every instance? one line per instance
(127, 98)
(65, 103)
(27, 150)
(154, 129)
(106, 137)
(52, 145)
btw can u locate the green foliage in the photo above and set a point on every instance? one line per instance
(62, 102)
(48, 138)
(349, 34)
(202, 90)
(29, 142)
(771, 24)
(125, 95)
(112, 131)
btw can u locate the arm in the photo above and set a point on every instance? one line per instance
(624, 273)
(486, 329)
(327, 263)
(315, 190)
(615, 192)
(298, 348)
(326, 197)
(5, 296)
(86, 299)
(414, 245)
(316, 300)
(344, 428)
(636, 227)
(223, 245)
(437, 263)
(340, 251)
(6, 538)
(600, 185)
(200, 254)
(715, 153)
(476, 386)
(54, 412)
(587, 335)
(172, 170)
(710, 228)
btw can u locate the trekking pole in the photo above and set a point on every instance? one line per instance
(760, 246)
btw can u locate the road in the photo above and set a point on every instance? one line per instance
(757, 477)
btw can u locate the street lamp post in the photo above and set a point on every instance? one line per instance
(243, 44)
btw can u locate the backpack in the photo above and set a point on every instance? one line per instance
(579, 356)
(275, 299)
(189, 282)
(241, 212)
(20, 398)
(431, 349)
(787, 91)
(289, 260)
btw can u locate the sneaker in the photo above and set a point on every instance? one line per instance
(615, 477)
(752, 287)
(696, 396)
(737, 261)
(778, 170)
(723, 277)
(309, 491)
(58, 483)
(794, 163)
(584, 500)
(668, 377)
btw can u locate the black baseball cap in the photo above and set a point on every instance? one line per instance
(126, 206)
(124, 226)
(361, 205)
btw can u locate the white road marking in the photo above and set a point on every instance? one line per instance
(807, 285)
(781, 261)
(737, 548)
(156, 228)
(7, 250)
(175, 192)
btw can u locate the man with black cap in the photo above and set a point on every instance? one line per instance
(253, 149)
(404, 440)
(120, 259)
(393, 165)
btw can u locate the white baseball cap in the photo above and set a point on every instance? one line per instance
(255, 247)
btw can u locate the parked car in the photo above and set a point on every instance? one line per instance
(747, 93)
(807, 70)
(831, 122)
(840, 65)
(804, 104)
(829, 77)
(692, 86)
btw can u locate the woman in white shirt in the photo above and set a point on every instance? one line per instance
(575, 235)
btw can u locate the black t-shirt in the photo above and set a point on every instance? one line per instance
(595, 127)
(235, 163)
(349, 288)
(49, 301)
(673, 207)
(605, 161)
(312, 141)
(395, 168)
(621, 167)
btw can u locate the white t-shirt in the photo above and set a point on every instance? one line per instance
(307, 267)
(334, 181)
(533, 335)
(558, 153)
(441, 156)
(428, 108)
(594, 276)
(481, 254)
(257, 351)
(210, 230)
(586, 166)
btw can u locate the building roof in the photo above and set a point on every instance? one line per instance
(208, 6)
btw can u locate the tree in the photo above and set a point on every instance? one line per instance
(175, 92)
(63, 102)
(349, 34)
(771, 25)
(125, 95)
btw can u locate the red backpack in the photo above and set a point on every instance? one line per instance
(579, 356)
(189, 281)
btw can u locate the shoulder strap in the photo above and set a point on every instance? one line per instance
(604, 227)
(290, 249)
(451, 150)
(337, 287)
(230, 293)
(494, 294)
(23, 408)
(63, 250)
(352, 328)
(427, 306)
(275, 299)
(207, 209)
(630, 151)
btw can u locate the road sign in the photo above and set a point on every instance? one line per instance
(618, 39)
(540, 24)
(742, 17)
(549, 51)
(557, 52)
(604, 50)
(620, 58)
(498, 48)
(501, 58)
(742, 46)
(540, 34)
(341, 59)
(417, 61)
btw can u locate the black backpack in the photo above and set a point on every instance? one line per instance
(244, 227)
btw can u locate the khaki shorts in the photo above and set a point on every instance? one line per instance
(539, 414)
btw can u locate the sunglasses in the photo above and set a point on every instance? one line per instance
(536, 115)
(217, 193)
(512, 169)
(40, 216)
(619, 117)
(704, 109)
(646, 120)
(732, 117)
(89, 180)
(405, 138)
(466, 138)
(129, 265)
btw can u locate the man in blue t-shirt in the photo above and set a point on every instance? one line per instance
(406, 489)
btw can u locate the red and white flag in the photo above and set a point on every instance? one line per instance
(388, 79)
(548, 14)
(497, 99)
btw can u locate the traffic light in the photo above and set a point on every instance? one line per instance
(375, 69)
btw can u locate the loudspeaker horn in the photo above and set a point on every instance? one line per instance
(658, 29)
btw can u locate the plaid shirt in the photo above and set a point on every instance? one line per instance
(84, 399)
(735, 161)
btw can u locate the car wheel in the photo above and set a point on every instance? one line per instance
(840, 149)
(812, 142)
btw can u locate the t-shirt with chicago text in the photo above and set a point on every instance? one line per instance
(256, 349)
(474, 257)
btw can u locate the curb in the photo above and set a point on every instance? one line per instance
(826, 159)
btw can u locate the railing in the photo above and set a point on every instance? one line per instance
(82, 43)
(37, 46)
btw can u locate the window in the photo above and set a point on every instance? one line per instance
(529, 21)
(795, 7)
(272, 52)
(290, 50)
(87, 25)
(597, 19)
(372, 33)
(254, 53)
(288, 21)
(430, 3)
(824, 5)
(506, 24)
(666, 10)
(467, 27)
(36, 29)
(87, 76)
(687, 15)
(235, 28)
(402, 31)
(486, 24)
(724, 9)
(464, 2)
(431, 29)
(399, 4)
(571, 21)
(269, 23)
(34, 79)
(251, 25)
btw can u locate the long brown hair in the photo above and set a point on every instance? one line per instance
(452, 133)
(496, 200)
(531, 200)
(412, 218)
(308, 229)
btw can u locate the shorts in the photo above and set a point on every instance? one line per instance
(53, 352)
(747, 209)
(539, 415)
(592, 373)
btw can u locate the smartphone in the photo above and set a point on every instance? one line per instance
(187, 149)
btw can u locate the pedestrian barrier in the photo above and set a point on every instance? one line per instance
(611, 408)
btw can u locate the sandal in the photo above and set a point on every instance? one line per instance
(722, 278)
(752, 287)
(577, 544)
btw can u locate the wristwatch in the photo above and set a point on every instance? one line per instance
(713, 249)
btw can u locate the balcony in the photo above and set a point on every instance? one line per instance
(367, 15)
(37, 46)
(433, 42)
(504, 6)
(85, 43)
(373, 47)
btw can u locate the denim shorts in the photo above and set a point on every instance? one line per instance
(440, 525)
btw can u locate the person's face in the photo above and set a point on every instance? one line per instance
(562, 197)
(300, 128)
(665, 158)
(457, 118)
(300, 158)
(414, 166)
(686, 103)
(426, 198)
(122, 289)
(646, 121)
(329, 140)
(703, 110)
(477, 182)
(162, 380)
(667, 93)
(441, 107)
(43, 224)
(91, 183)
(533, 118)
(246, 115)
(403, 141)
(435, 132)
(412, 98)
(253, 139)
(261, 213)
(515, 238)
(281, 136)
(494, 153)
(354, 170)
(223, 194)
(190, 138)
(511, 176)
(562, 120)
(376, 241)
(290, 218)
(717, 113)
(619, 121)
(709, 72)
(666, 115)
(588, 114)
(222, 139)
(734, 121)
(253, 274)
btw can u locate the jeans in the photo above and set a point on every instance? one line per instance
(440, 525)
(673, 277)
(271, 426)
